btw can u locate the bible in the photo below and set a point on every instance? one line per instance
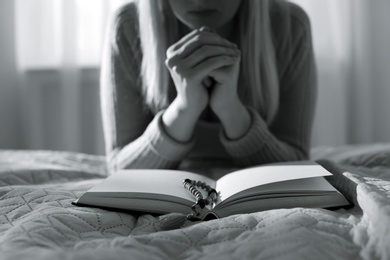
(271, 186)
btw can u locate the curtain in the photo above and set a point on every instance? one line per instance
(351, 39)
(57, 55)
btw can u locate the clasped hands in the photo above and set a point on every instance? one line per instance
(205, 69)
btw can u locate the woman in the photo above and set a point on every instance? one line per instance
(217, 80)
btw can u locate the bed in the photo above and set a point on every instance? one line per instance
(37, 219)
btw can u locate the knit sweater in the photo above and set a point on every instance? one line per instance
(135, 136)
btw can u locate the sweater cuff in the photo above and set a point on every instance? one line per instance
(163, 144)
(251, 142)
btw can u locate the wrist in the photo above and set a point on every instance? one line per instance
(236, 120)
(186, 110)
(179, 121)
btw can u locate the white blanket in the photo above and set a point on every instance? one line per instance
(38, 221)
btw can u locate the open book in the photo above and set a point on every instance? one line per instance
(249, 190)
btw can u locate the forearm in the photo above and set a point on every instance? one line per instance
(153, 149)
(235, 120)
(260, 146)
(288, 137)
(179, 121)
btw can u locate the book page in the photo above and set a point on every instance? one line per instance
(307, 186)
(248, 178)
(166, 182)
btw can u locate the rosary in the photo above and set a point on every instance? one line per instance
(201, 203)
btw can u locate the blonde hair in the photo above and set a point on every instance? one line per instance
(258, 82)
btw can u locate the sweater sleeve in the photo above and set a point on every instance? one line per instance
(287, 138)
(134, 136)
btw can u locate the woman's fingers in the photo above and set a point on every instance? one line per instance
(194, 40)
(186, 38)
(192, 59)
(182, 41)
(208, 51)
(206, 29)
(201, 39)
(199, 47)
(203, 69)
(198, 72)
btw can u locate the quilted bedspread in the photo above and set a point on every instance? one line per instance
(38, 221)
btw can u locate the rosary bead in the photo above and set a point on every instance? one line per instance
(212, 191)
(200, 201)
(213, 197)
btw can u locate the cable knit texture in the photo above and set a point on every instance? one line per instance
(135, 137)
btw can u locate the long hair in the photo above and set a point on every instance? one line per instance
(258, 81)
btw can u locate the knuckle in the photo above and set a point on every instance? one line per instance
(169, 62)
(181, 50)
(170, 50)
(203, 28)
(180, 70)
(175, 69)
(198, 37)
